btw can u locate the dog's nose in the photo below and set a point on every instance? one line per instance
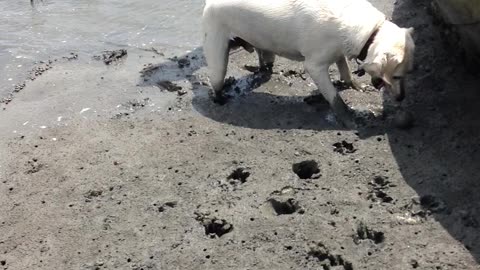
(377, 83)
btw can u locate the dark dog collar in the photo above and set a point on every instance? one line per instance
(364, 51)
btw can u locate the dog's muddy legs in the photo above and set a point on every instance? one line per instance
(320, 76)
(216, 51)
(265, 59)
(345, 75)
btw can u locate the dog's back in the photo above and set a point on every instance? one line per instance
(286, 26)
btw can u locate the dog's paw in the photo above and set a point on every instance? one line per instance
(343, 113)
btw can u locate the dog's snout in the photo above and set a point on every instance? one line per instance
(377, 83)
(401, 90)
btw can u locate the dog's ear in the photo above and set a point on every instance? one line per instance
(410, 31)
(375, 66)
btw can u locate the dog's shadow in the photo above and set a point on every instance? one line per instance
(246, 107)
(440, 158)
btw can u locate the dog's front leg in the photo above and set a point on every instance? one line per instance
(345, 75)
(320, 76)
(215, 48)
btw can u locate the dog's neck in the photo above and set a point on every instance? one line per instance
(357, 32)
(363, 53)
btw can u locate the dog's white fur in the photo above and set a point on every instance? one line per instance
(318, 32)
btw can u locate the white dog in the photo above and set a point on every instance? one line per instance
(318, 32)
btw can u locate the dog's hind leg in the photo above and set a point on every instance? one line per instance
(266, 60)
(216, 48)
(345, 75)
(320, 76)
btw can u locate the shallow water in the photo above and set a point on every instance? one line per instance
(55, 28)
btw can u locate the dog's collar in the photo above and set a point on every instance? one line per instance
(364, 51)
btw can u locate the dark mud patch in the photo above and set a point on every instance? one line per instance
(285, 206)
(163, 207)
(238, 176)
(469, 219)
(169, 86)
(433, 204)
(344, 148)
(403, 120)
(34, 166)
(307, 169)
(71, 56)
(182, 62)
(378, 190)
(341, 85)
(328, 261)
(110, 57)
(365, 233)
(294, 74)
(132, 106)
(37, 71)
(214, 227)
(108, 221)
(91, 194)
(149, 69)
(154, 50)
(315, 100)
(233, 87)
(136, 104)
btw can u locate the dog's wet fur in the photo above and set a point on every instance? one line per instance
(317, 32)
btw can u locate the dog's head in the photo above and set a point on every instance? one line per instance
(390, 59)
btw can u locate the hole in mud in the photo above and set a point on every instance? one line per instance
(239, 174)
(377, 190)
(327, 259)
(217, 228)
(344, 147)
(432, 203)
(165, 206)
(286, 207)
(364, 233)
(214, 227)
(306, 169)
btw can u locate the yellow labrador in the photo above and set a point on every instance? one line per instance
(317, 32)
